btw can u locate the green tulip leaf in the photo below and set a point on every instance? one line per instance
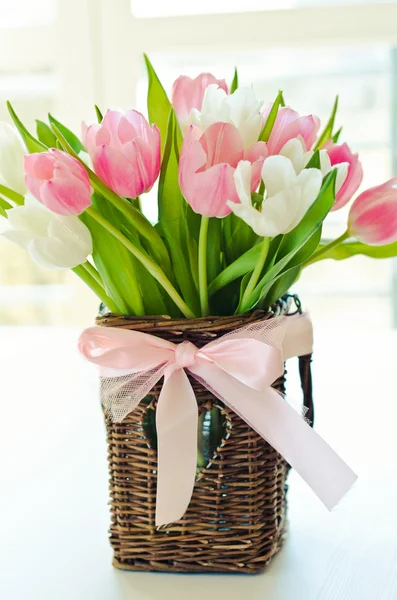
(335, 137)
(242, 265)
(4, 205)
(327, 133)
(32, 145)
(314, 162)
(98, 113)
(271, 118)
(349, 249)
(281, 283)
(45, 134)
(234, 84)
(238, 237)
(158, 104)
(293, 242)
(11, 195)
(69, 136)
(281, 286)
(214, 265)
(173, 211)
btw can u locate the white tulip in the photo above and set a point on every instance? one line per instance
(289, 195)
(12, 152)
(241, 109)
(294, 149)
(53, 241)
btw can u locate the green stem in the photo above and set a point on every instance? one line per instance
(202, 266)
(93, 272)
(11, 195)
(138, 306)
(136, 203)
(321, 254)
(82, 272)
(136, 218)
(146, 261)
(255, 274)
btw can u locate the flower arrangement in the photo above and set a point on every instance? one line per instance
(243, 191)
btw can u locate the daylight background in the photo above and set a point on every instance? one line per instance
(65, 56)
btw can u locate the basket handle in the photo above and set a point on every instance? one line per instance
(305, 373)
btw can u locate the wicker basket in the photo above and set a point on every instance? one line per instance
(237, 515)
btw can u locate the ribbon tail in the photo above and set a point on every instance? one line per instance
(176, 421)
(272, 418)
(298, 339)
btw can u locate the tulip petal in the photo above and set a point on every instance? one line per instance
(125, 152)
(188, 94)
(115, 170)
(65, 196)
(210, 191)
(242, 180)
(192, 159)
(222, 143)
(40, 166)
(21, 238)
(373, 215)
(88, 135)
(310, 182)
(32, 219)
(72, 233)
(289, 125)
(110, 123)
(51, 253)
(342, 154)
(279, 212)
(278, 174)
(253, 218)
(294, 149)
(245, 114)
(256, 154)
(140, 127)
(256, 151)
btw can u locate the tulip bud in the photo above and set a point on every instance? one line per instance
(58, 181)
(12, 152)
(289, 196)
(373, 215)
(343, 154)
(125, 152)
(53, 241)
(207, 164)
(288, 125)
(241, 109)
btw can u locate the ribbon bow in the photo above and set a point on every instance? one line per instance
(239, 369)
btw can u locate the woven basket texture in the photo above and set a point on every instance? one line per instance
(236, 519)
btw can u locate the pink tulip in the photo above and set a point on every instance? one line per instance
(207, 164)
(289, 125)
(58, 181)
(125, 152)
(373, 215)
(340, 154)
(188, 93)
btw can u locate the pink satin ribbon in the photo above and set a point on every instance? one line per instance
(239, 369)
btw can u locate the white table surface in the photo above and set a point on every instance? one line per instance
(54, 491)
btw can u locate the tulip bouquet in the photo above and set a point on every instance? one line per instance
(243, 191)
